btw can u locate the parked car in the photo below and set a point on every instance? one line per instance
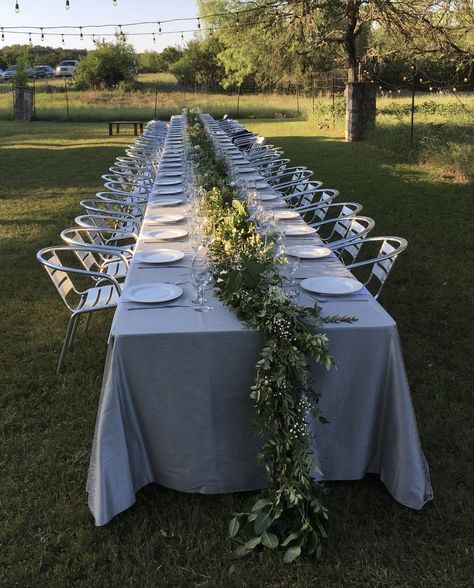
(67, 68)
(43, 71)
(9, 73)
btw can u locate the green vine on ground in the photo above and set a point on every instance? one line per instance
(289, 514)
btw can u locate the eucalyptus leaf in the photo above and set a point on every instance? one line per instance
(291, 554)
(262, 522)
(234, 527)
(270, 540)
(252, 543)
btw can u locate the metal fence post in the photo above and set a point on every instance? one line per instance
(67, 99)
(413, 67)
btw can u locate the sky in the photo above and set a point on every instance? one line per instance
(44, 13)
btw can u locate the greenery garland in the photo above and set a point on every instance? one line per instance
(289, 513)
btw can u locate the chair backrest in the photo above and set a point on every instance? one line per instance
(345, 230)
(105, 221)
(379, 266)
(127, 188)
(313, 215)
(50, 261)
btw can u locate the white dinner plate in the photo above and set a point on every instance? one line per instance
(149, 293)
(286, 214)
(166, 202)
(298, 230)
(331, 285)
(308, 251)
(167, 191)
(166, 233)
(159, 256)
(163, 219)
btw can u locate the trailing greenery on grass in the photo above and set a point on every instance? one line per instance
(289, 513)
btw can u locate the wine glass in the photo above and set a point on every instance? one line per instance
(200, 276)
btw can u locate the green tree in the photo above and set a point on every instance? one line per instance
(199, 64)
(155, 61)
(108, 65)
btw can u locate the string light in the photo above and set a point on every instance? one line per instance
(431, 88)
(154, 39)
(42, 35)
(182, 36)
(114, 2)
(17, 7)
(67, 5)
(62, 39)
(454, 89)
(93, 39)
(29, 39)
(81, 36)
(159, 27)
(3, 35)
(199, 24)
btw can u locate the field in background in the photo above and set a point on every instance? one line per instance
(443, 132)
(180, 540)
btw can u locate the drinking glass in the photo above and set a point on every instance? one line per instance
(201, 276)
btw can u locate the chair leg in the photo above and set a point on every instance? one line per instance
(70, 328)
(87, 322)
(73, 333)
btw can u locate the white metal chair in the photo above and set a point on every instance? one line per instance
(315, 214)
(380, 255)
(107, 221)
(90, 292)
(338, 232)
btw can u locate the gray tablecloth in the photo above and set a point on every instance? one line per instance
(175, 407)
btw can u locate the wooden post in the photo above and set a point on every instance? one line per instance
(412, 122)
(13, 100)
(67, 99)
(156, 97)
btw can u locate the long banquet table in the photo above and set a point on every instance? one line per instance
(175, 406)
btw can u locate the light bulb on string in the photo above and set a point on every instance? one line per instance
(159, 27)
(182, 36)
(454, 89)
(154, 38)
(62, 39)
(93, 39)
(81, 36)
(114, 2)
(466, 80)
(17, 7)
(42, 34)
(431, 88)
(3, 35)
(211, 32)
(199, 24)
(29, 39)
(67, 5)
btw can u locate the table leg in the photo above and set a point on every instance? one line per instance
(110, 129)
(135, 129)
(117, 128)
(141, 128)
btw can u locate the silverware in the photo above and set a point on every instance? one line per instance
(149, 307)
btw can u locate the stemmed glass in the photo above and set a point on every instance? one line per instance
(201, 275)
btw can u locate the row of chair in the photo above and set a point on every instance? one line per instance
(339, 225)
(88, 270)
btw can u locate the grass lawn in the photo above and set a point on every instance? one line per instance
(47, 536)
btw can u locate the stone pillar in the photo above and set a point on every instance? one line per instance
(360, 109)
(23, 104)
